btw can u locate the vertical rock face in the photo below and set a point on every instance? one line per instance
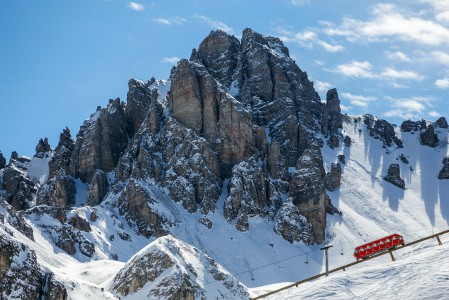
(219, 54)
(308, 194)
(291, 225)
(332, 120)
(428, 137)
(2, 161)
(63, 152)
(98, 188)
(140, 101)
(139, 205)
(394, 176)
(19, 189)
(444, 172)
(100, 143)
(332, 180)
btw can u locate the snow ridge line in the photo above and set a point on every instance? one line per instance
(354, 263)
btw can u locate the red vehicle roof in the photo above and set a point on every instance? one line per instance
(378, 245)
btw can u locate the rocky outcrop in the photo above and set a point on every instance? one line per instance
(409, 126)
(428, 137)
(138, 103)
(2, 161)
(60, 191)
(67, 238)
(98, 188)
(394, 176)
(55, 289)
(441, 123)
(332, 179)
(171, 269)
(100, 142)
(79, 223)
(347, 141)
(291, 225)
(140, 206)
(444, 172)
(250, 194)
(15, 219)
(62, 155)
(20, 275)
(309, 195)
(332, 120)
(382, 130)
(19, 189)
(42, 148)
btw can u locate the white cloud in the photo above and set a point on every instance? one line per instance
(388, 22)
(170, 21)
(398, 55)
(170, 60)
(214, 24)
(358, 69)
(409, 108)
(442, 83)
(329, 47)
(434, 114)
(443, 17)
(358, 100)
(135, 6)
(300, 2)
(404, 74)
(441, 57)
(322, 86)
(308, 39)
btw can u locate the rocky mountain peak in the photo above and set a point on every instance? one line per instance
(2, 161)
(171, 269)
(42, 147)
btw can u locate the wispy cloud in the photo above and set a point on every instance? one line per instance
(135, 6)
(398, 55)
(170, 21)
(322, 86)
(308, 39)
(441, 57)
(364, 69)
(409, 108)
(299, 2)
(403, 74)
(357, 69)
(442, 83)
(170, 60)
(357, 100)
(389, 22)
(215, 24)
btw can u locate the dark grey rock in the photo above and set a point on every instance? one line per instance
(444, 172)
(381, 129)
(394, 176)
(19, 189)
(441, 123)
(333, 179)
(347, 141)
(291, 225)
(80, 223)
(42, 147)
(332, 119)
(428, 137)
(98, 188)
(2, 161)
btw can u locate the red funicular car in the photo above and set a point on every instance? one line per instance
(377, 246)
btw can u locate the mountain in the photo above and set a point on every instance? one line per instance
(232, 173)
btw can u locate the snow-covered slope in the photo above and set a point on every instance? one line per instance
(420, 272)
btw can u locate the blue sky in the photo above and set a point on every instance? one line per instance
(59, 60)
